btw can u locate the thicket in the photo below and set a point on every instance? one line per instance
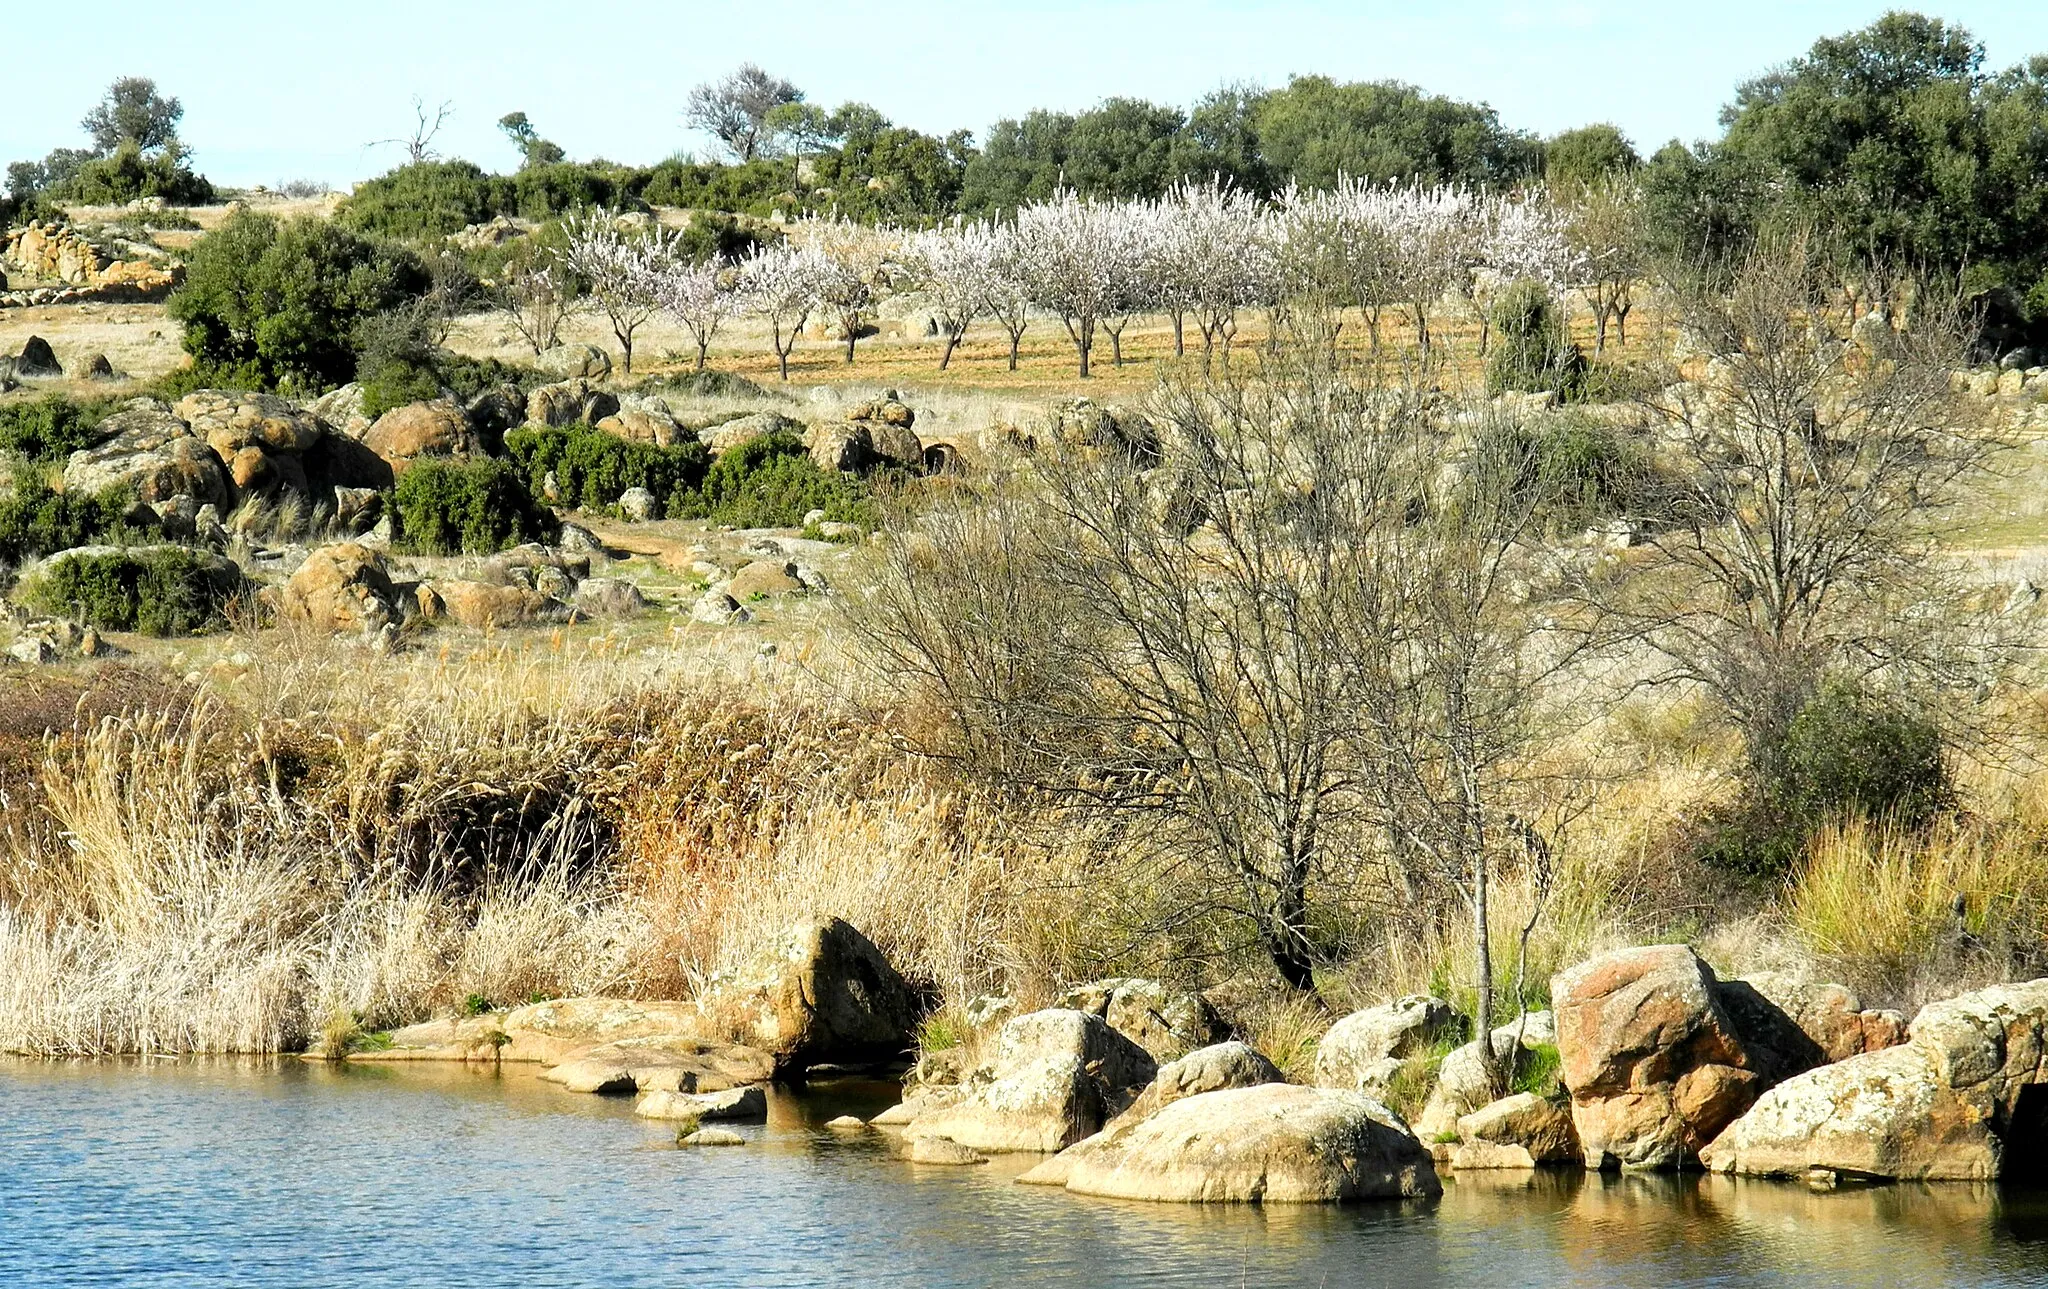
(277, 305)
(772, 482)
(157, 590)
(591, 468)
(36, 520)
(1576, 471)
(52, 427)
(472, 507)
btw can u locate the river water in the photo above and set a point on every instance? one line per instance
(176, 1173)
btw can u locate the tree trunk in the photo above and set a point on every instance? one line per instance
(1179, 342)
(1489, 1059)
(946, 357)
(851, 329)
(703, 347)
(1621, 324)
(1287, 941)
(1016, 338)
(626, 346)
(1600, 331)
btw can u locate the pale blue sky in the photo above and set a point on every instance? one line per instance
(295, 90)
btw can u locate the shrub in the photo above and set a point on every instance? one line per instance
(157, 590)
(710, 383)
(1582, 470)
(282, 301)
(772, 483)
(1850, 752)
(395, 361)
(592, 468)
(1531, 348)
(51, 427)
(35, 521)
(474, 507)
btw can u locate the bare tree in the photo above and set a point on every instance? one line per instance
(535, 294)
(419, 145)
(735, 109)
(1815, 465)
(1606, 225)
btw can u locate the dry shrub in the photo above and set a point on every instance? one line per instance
(1909, 916)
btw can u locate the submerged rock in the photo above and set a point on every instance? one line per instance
(748, 1103)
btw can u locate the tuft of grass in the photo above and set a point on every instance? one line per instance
(1540, 1071)
(475, 1005)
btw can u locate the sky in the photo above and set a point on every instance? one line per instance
(278, 91)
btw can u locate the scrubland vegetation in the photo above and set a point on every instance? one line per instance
(1520, 549)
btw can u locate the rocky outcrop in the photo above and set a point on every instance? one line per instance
(58, 252)
(821, 992)
(1274, 1144)
(1946, 1104)
(1655, 1066)
(762, 579)
(682, 1063)
(1056, 1077)
(344, 587)
(1833, 1022)
(1164, 1021)
(37, 361)
(150, 452)
(644, 420)
(341, 409)
(1363, 1051)
(748, 1104)
(407, 434)
(230, 420)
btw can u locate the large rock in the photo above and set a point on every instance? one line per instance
(745, 1104)
(1362, 1050)
(1655, 1066)
(847, 448)
(231, 420)
(569, 403)
(649, 422)
(745, 429)
(490, 605)
(1831, 1018)
(821, 992)
(1275, 1144)
(1946, 1104)
(1209, 1069)
(550, 1032)
(609, 597)
(1056, 1077)
(150, 452)
(570, 361)
(341, 588)
(1164, 1021)
(662, 1063)
(406, 434)
(37, 359)
(341, 410)
(1519, 1131)
(763, 578)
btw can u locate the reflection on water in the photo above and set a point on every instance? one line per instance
(275, 1172)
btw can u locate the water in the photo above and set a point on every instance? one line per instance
(174, 1173)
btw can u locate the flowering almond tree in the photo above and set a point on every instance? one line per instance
(859, 264)
(1212, 251)
(699, 296)
(784, 284)
(1081, 259)
(618, 267)
(957, 268)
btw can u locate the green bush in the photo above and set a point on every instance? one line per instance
(35, 520)
(475, 507)
(129, 174)
(772, 483)
(1577, 470)
(428, 199)
(282, 301)
(1850, 750)
(157, 590)
(708, 383)
(592, 468)
(1532, 350)
(52, 427)
(395, 361)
